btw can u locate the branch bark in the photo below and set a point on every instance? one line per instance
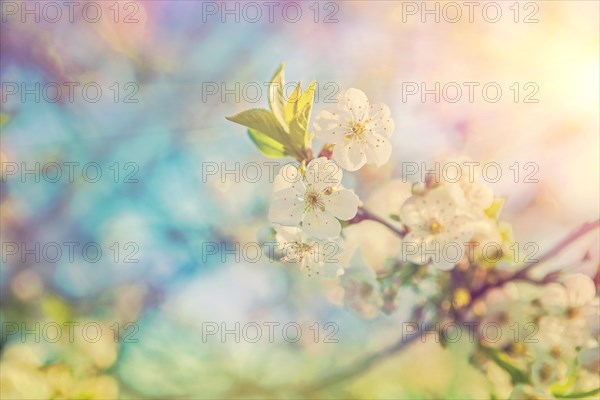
(364, 214)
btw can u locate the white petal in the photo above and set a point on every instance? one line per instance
(355, 101)
(330, 270)
(331, 125)
(380, 121)
(413, 213)
(459, 230)
(458, 195)
(327, 258)
(288, 176)
(479, 195)
(449, 252)
(287, 234)
(350, 155)
(580, 289)
(413, 248)
(440, 204)
(323, 173)
(286, 207)
(554, 295)
(321, 225)
(289, 251)
(444, 264)
(378, 149)
(342, 204)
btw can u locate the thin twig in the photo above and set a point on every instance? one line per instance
(523, 273)
(364, 214)
(364, 364)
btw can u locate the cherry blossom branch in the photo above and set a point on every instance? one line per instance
(370, 360)
(364, 214)
(523, 273)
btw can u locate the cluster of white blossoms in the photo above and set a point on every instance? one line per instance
(446, 221)
(308, 200)
(549, 341)
(308, 203)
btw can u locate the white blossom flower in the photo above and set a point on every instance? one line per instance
(437, 230)
(308, 254)
(313, 198)
(471, 194)
(509, 308)
(360, 131)
(473, 198)
(554, 344)
(575, 299)
(487, 243)
(361, 291)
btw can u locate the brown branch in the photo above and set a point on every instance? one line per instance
(363, 364)
(364, 214)
(523, 273)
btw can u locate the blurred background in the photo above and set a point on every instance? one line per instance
(169, 72)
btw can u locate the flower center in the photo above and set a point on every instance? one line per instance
(435, 227)
(301, 250)
(572, 312)
(555, 352)
(357, 130)
(313, 201)
(545, 372)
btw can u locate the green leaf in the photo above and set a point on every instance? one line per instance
(395, 217)
(494, 210)
(261, 120)
(299, 127)
(503, 361)
(286, 124)
(264, 121)
(291, 107)
(307, 97)
(562, 388)
(276, 99)
(267, 145)
(578, 395)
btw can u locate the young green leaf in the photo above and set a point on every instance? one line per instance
(494, 210)
(307, 97)
(578, 395)
(299, 127)
(276, 100)
(291, 107)
(264, 121)
(503, 361)
(261, 120)
(267, 145)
